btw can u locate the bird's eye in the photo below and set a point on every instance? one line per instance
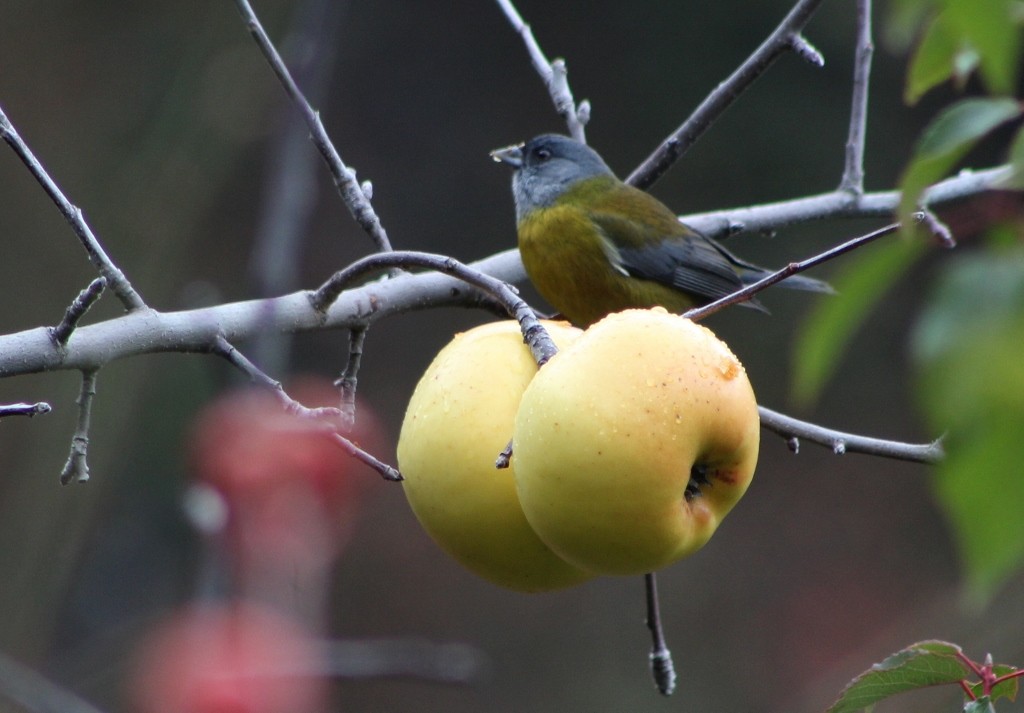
(542, 153)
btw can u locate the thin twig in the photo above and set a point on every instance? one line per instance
(662, 668)
(386, 471)
(791, 269)
(77, 309)
(853, 172)
(840, 442)
(29, 410)
(77, 467)
(938, 229)
(785, 37)
(344, 177)
(224, 349)
(73, 215)
(555, 76)
(534, 333)
(806, 51)
(349, 379)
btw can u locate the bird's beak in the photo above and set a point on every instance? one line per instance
(512, 155)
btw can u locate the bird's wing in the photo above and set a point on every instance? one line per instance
(682, 259)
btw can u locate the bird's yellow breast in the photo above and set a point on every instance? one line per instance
(570, 262)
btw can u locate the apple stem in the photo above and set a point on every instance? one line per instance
(504, 458)
(662, 668)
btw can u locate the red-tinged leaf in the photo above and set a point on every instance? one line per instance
(1006, 689)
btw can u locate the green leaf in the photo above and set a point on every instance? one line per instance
(1016, 158)
(989, 27)
(861, 283)
(904, 22)
(940, 55)
(967, 346)
(946, 140)
(927, 663)
(963, 123)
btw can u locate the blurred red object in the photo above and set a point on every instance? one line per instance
(291, 491)
(228, 658)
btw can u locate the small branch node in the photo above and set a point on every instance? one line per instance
(793, 444)
(839, 448)
(806, 51)
(938, 230)
(76, 310)
(583, 112)
(29, 410)
(734, 227)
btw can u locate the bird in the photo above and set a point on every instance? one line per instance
(592, 244)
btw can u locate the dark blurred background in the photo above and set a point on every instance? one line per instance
(163, 122)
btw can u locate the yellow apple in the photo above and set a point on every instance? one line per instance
(633, 442)
(459, 419)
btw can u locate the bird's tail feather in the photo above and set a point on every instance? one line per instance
(793, 282)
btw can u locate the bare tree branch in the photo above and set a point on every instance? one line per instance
(535, 335)
(840, 204)
(348, 381)
(840, 442)
(555, 75)
(785, 37)
(149, 331)
(73, 215)
(853, 172)
(344, 177)
(193, 331)
(222, 348)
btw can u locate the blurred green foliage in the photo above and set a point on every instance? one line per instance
(968, 342)
(967, 346)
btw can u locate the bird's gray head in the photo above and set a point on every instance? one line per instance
(546, 166)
